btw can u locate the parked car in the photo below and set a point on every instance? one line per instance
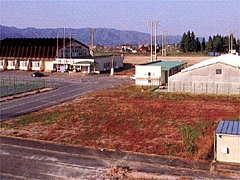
(37, 74)
(133, 77)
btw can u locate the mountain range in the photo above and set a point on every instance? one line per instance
(102, 36)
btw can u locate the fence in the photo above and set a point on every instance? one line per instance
(13, 85)
(205, 87)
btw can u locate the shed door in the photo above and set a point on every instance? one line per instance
(166, 76)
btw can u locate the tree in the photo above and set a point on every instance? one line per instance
(198, 45)
(193, 43)
(183, 43)
(225, 47)
(209, 46)
(203, 45)
(217, 43)
(188, 42)
(238, 45)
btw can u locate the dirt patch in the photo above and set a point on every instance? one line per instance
(133, 59)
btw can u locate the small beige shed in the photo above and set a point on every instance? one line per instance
(227, 141)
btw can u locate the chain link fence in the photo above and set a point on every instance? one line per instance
(12, 85)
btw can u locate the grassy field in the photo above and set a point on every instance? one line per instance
(126, 119)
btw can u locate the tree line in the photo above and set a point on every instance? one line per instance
(217, 43)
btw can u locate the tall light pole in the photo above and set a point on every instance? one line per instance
(230, 42)
(92, 31)
(153, 24)
(150, 24)
(156, 25)
(164, 48)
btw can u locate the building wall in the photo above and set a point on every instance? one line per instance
(77, 50)
(207, 80)
(24, 65)
(3, 64)
(106, 63)
(37, 66)
(48, 66)
(148, 75)
(12, 64)
(228, 148)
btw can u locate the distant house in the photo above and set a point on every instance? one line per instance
(227, 141)
(218, 75)
(143, 49)
(157, 73)
(52, 54)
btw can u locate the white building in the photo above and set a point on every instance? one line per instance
(156, 73)
(218, 75)
(52, 54)
(227, 141)
(37, 54)
(94, 64)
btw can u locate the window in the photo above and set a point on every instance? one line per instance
(23, 63)
(1, 62)
(11, 63)
(106, 65)
(35, 64)
(218, 71)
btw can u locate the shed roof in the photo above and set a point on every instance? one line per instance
(228, 127)
(230, 59)
(166, 65)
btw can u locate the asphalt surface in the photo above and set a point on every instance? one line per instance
(65, 87)
(28, 159)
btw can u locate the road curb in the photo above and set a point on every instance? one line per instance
(26, 94)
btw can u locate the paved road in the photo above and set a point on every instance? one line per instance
(25, 159)
(66, 86)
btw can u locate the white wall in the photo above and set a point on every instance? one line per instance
(232, 143)
(25, 68)
(105, 63)
(142, 75)
(76, 49)
(3, 64)
(12, 66)
(37, 68)
(205, 80)
(48, 66)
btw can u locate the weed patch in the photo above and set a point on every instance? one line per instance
(189, 135)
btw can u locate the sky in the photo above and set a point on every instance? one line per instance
(204, 17)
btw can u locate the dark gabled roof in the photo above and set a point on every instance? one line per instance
(228, 127)
(32, 47)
